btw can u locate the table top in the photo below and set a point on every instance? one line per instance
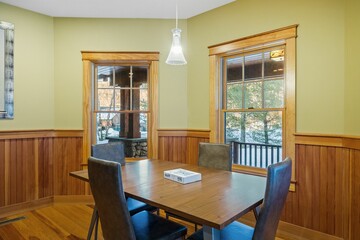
(220, 198)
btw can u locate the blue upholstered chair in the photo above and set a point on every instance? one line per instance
(116, 221)
(215, 155)
(277, 187)
(114, 151)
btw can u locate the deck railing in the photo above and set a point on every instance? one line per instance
(255, 154)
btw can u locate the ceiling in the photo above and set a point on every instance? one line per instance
(119, 8)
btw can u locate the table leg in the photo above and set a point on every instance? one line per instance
(93, 223)
(211, 233)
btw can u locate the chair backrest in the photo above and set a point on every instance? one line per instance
(214, 155)
(277, 188)
(112, 151)
(106, 186)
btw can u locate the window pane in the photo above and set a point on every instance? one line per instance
(117, 99)
(139, 76)
(254, 127)
(122, 77)
(143, 99)
(122, 98)
(105, 99)
(234, 69)
(253, 95)
(235, 127)
(130, 128)
(107, 126)
(143, 125)
(253, 67)
(273, 67)
(234, 96)
(256, 137)
(104, 76)
(274, 93)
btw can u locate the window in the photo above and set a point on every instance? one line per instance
(121, 106)
(253, 105)
(120, 101)
(252, 91)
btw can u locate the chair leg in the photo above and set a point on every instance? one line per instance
(256, 212)
(93, 223)
(96, 227)
(196, 227)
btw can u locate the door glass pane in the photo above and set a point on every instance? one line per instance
(274, 93)
(253, 67)
(253, 95)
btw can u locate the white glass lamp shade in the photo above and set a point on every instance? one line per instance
(176, 56)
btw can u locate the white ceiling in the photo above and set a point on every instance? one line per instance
(118, 8)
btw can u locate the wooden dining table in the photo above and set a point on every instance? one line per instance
(220, 198)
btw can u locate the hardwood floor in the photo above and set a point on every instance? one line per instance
(60, 221)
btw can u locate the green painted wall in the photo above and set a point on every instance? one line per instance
(352, 76)
(48, 67)
(320, 55)
(73, 35)
(33, 69)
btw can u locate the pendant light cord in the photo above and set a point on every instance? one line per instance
(176, 14)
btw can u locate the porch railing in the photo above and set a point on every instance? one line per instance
(255, 154)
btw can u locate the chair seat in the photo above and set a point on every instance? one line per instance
(148, 226)
(235, 230)
(135, 206)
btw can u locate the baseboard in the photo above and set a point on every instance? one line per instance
(25, 207)
(290, 231)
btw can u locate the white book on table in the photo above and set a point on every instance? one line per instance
(182, 175)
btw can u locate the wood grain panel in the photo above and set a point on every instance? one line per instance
(22, 168)
(2, 173)
(193, 149)
(180, 145)
(355, 194)
(67, 157)
(33, 164)
(46, 167)
(320, 201)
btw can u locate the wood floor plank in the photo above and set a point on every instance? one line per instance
(70, 222)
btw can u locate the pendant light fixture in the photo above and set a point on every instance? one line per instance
(176, 56)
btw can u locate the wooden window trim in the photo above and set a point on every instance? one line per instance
(89, 60)
(286, 36)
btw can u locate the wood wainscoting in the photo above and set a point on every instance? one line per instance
(326, 202)
(181, 145)
(327, 192)
(35, 166)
